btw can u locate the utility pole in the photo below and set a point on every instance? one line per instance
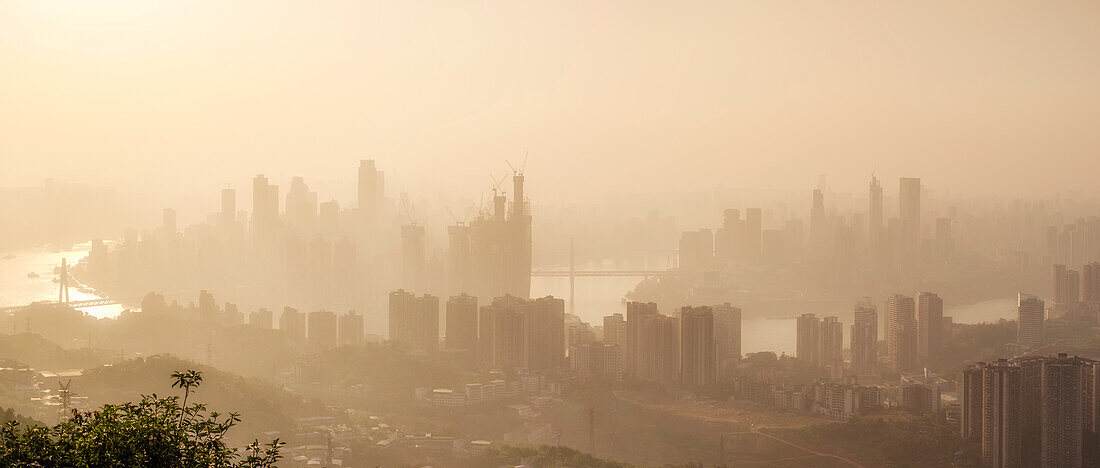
(592, 430)
(722, 450)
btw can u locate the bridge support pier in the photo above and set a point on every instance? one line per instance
(572, 279)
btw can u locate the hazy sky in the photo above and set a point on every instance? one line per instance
(975, 97)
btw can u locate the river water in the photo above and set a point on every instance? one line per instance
(17, 288)
(596, 297)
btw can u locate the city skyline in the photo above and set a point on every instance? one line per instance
(545, 233)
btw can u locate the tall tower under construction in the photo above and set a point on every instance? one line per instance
(500, 246)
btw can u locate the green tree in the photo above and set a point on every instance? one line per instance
(155, 432)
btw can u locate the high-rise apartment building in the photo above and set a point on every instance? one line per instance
(1063, 411)
(808, 338)
(293, 323)
(727, 337)
(1090, 285)
(1034, 410)
(597, 360)
(864, 338)
(462, 326)
(614, 330)
(970, 399)
(696, 250)
(261, 318)
(832, 345)
(350, 329)
(414, 321)
(905, 348)
(698, 364)
(1001, 435)
(901, 350)
(1029, 331)
(322, 329)
(919, 393)
(635, 311)
(929, 326)
(527, 333)
(659, 348)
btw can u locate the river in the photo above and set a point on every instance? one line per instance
(596, 297)
(17, 288)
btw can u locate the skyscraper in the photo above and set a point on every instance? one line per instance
(169, 221)
(458, 260)
(614, 330)
(1001, 437)
(874, 225)
(905, 348)
(328, 219)
(519, 229)
(970, 398)
(832, 345)
(350, 329)
(1090, 286)
(500, 248)
(1029, 331)
(345, 271)
(727, 337)
(414, 321)
(462, 323)
(322, 329)
(527, 333)
(261, 318)
(909, 215)
(293, 323)
(752, 234)
(412, 257)
(372, 183)
(658, 357)
(1063, 411)
(1059, 282)
(900, 322)
(698, 366)
(265, 206)
(864, 360)
(929, 326)
(301, 206)
(864, 338)
(634, 313)
(228, 214)
(808, 336)
(818, 221)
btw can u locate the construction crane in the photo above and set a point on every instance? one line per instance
(410, 210)
(522, 167)
(465, 215)
(496, 185)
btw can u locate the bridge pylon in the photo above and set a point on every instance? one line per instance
(63, 284)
